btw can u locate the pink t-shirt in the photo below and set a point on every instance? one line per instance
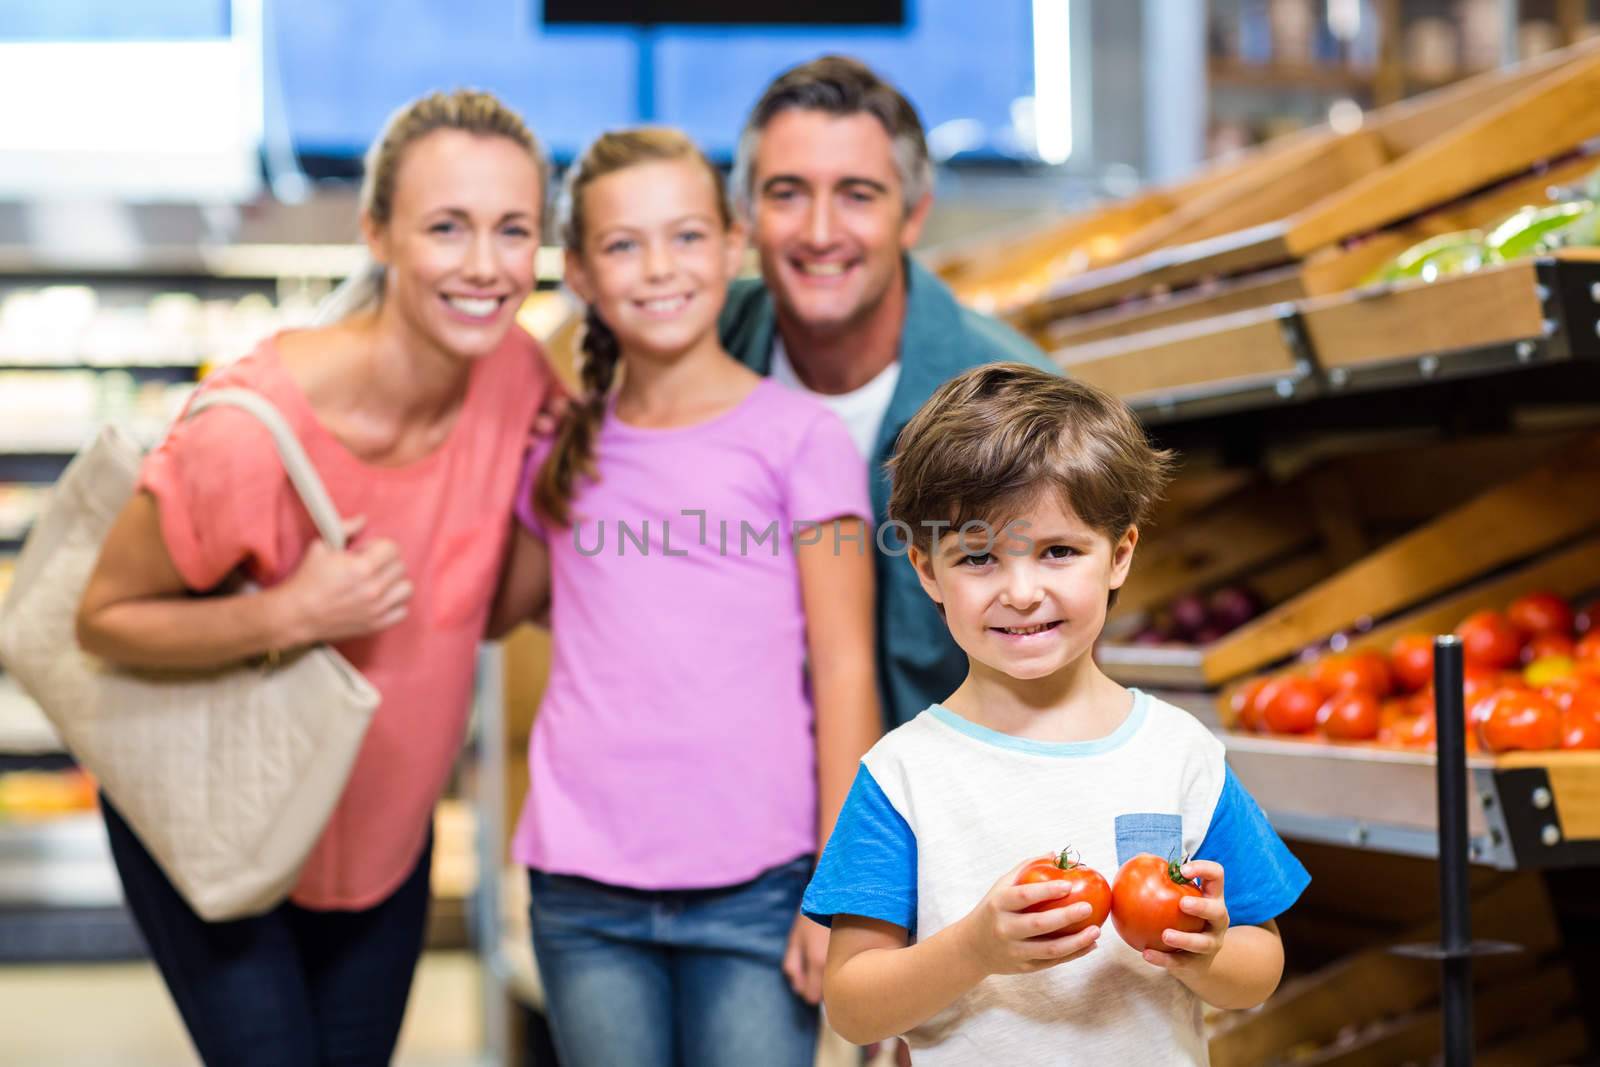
(674, 747)
(226, 503)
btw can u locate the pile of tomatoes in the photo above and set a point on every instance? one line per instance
(1532, 682)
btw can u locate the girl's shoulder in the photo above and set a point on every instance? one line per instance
(786, 415)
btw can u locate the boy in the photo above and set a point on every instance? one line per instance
(1024, 493)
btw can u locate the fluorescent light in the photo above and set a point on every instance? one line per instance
(1052, 79)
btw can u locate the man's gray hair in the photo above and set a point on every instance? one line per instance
(838, 85)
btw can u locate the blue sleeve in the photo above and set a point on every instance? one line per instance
(869, 867)
(1261, 877)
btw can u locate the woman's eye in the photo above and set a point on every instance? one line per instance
(977, 559)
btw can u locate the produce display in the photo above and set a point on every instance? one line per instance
(1572, 221)
(1196, 619)
(27, 796)
(1532, 682)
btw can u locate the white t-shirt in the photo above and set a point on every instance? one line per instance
(862, 409)
(942, 806)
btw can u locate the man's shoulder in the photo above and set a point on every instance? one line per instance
(993, 341)
(740, 324)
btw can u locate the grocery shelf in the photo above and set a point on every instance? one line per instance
(1517, 317)
(1531, 810)
(139, 372)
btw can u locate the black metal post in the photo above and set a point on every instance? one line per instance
(1455, 906)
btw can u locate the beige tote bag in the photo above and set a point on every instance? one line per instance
(227, 776)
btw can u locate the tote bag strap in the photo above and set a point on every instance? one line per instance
(302, 475)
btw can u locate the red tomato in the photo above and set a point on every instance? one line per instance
(1367, 671)
(1541, 613)
(1086, 884)
(1547, 646)
(1293, 706)
(1144, 902)
(1518, 719)
(1587, 650)
(1580, 728)
(1489, 640)
(1420, 732)
(1411, 658)
(1350, 716)
(1246, 715)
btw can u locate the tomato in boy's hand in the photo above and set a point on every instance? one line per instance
(1086, 884)
(1144, 902)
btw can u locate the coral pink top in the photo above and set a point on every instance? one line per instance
(225, 503)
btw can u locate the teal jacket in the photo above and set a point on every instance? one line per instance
(918, 662)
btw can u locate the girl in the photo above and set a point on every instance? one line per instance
(702, 534)
(414, 410)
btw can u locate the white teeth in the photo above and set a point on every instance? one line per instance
(477, 308)
(665, 305)
(1024, 631)
(823, 270)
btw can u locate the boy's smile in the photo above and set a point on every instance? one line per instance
(1026, 599)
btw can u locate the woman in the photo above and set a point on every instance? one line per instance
(414, 409)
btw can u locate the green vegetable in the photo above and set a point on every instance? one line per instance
(1520, 234)
(1438, 257)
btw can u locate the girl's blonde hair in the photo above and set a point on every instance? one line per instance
(573, 453)
(468, 110)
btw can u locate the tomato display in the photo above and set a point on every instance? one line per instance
(1085, 884)
(1411, 659)
(1548, 646)
(1144, 902)
(1248, 709)
(1292, 707)
(1353, 715)
(1580, 729)
(1366, 671)
(1587, 650)
(1489, 640)
(1518, 719)
(1541, 613)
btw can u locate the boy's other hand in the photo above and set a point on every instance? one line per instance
(804, 958)
(1006, 939)
(1193, 953)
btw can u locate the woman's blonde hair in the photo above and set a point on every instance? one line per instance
(618, 150)
(468, 110)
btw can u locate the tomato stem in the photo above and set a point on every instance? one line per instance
(1068, 859)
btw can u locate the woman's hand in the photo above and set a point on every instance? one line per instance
(803, 960)
(335, 595)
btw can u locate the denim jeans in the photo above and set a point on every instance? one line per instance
(679, 978)
(291, 988)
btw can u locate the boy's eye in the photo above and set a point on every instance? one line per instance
(1060, 552)
(977, 559)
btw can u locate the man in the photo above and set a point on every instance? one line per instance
(834, 179)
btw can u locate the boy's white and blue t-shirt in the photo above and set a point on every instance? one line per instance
(942, 807)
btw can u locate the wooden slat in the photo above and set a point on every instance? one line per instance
(1416, 1037)
(1575, 781)
(1250, 529)
(1269, 193)
(1491, 306)
(1245, 345)
(1540, 121)
(1544, 507)
(1373, 984)
(1546, 1045)
(1253, 291)
(1570, 571)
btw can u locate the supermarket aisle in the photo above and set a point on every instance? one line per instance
(135, 1025)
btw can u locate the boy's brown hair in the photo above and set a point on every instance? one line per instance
(991, 440)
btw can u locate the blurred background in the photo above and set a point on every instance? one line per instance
(178, 179)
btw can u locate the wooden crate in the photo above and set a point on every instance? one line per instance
(1439, 148)
(1298, 543)
(1374, 1008)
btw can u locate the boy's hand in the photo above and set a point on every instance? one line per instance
(1192, 953)
(1006, 940)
